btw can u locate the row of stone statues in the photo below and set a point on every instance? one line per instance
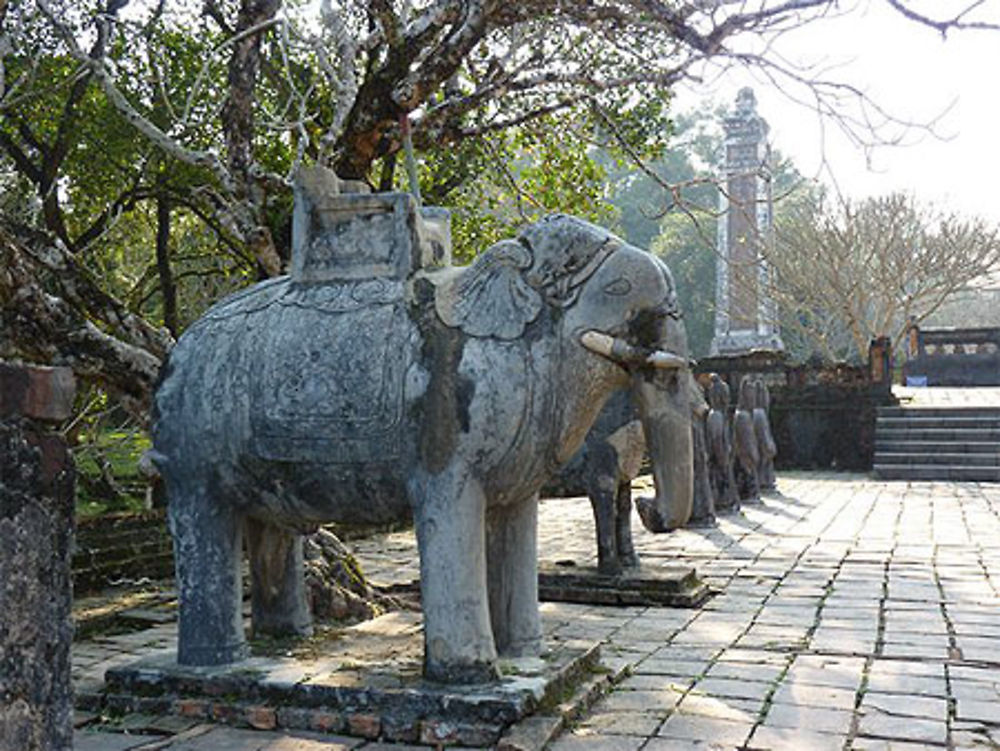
(732, 452)
(741, 445)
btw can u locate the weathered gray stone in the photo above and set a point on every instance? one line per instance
(603, 470)
(372, 384)
(36, 538)
(703, 501)
(369, 686)
(746, 452)
(820, 719)
(762, 430)
(698, 727)
(780, 739)
(880, 725)
(673, 586)
(608, 461)
(719, 436)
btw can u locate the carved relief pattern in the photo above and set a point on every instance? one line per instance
(743, 256)
(306, 401)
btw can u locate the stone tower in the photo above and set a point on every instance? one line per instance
(745, 313)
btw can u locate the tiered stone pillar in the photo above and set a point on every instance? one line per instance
(745, 313)
(36, 534)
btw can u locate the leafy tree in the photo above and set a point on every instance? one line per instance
(671, 207)
(498, 182)
(851, 272)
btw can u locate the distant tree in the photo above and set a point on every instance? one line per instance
(977, 305)
(850, 272)
(687, 243)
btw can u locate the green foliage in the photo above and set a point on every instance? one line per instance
(108, 479)
(687, 244)
(678, 225)
(503, 180)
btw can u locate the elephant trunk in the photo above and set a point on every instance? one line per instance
(662, 398)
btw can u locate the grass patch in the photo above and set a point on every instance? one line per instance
(108, 477)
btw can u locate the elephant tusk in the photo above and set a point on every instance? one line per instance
(666, 360)
(624, 353)
(598, 343)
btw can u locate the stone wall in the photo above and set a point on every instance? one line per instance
(36, 537)
(822, 415)
(119, 547)
(826, 425)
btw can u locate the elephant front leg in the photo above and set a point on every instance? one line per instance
(603, 501)
(512, 568)
(277, 593)
(449, 510)
(208, 537)
(623, 526)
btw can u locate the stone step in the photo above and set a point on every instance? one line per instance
(939, 412)
(989, 422)
(942, 472)
(928, 458)
(883, 445)
(963, 435)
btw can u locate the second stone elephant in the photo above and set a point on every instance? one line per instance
(612, 456)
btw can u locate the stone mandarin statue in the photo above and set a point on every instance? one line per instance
(378, 382)
(720, 443)
(745, 446)
(762, 431)
(703, 503)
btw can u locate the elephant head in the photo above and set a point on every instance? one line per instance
(618, 325)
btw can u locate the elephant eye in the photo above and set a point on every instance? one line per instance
(618, 287)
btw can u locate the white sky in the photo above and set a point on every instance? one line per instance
(915, 75)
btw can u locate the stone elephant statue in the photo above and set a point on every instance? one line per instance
(603, 470)
(613, 456)
(378, 382)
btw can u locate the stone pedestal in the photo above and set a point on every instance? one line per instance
(368, 684)
(36, 533)
(745, 313)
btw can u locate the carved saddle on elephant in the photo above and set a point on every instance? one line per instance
(351, 257)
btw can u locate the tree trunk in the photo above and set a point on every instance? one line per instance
(52, 312)
(168, 289)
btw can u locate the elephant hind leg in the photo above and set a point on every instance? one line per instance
(279, 605)
(208, 537)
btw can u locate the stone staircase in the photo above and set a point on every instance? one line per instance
(938, 443)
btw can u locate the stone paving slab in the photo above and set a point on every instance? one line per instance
(853, 614)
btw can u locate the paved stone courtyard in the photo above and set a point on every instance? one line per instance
(851, 614)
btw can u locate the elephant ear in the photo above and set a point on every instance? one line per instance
(490, 297)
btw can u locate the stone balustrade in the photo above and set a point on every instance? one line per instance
(952, 357)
